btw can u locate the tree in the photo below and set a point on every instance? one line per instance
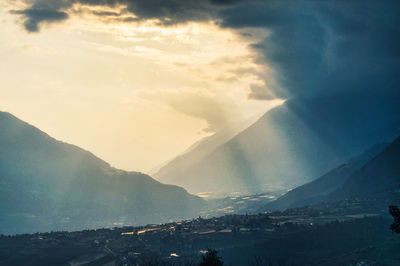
(211, 259)
(395, 212)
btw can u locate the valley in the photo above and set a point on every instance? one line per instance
(199, 133)
(239, 239)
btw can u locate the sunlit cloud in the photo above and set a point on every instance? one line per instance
(217, 114)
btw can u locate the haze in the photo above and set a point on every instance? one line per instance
(134, 93)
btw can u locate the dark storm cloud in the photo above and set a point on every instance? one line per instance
(168, 12)
(336, 61)
(35, 16)
(322, 47)
(316, 47)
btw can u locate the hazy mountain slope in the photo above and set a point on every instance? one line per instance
(379, 175)
(292, 143)
(322, 186)
(171, 171)
(50, 185)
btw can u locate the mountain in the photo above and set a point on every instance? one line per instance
(171, 171)
(380, 176)
(375, 173)
(322, 186)
(50, 185)
(293, 143)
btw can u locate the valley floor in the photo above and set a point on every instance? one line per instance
(342, 233)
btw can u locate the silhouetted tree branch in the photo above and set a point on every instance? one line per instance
(395, 212)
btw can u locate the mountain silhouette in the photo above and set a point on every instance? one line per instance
(48, 185)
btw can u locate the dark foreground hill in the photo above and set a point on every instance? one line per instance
(50, 185)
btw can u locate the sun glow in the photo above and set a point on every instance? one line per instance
(127, 90)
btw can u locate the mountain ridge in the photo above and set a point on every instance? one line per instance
(327, 183)
(197, 151)
(49, 185)
(380, 175)
(292, 144)
(373, 174)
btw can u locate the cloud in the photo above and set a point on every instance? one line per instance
(335, 61)
(106, 13)
(319, 48)
(258, 92)
(35, 16)
(198, 105)
(316, 48)
(167, 12)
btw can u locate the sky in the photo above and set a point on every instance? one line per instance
(135, 94)
(138, 81)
